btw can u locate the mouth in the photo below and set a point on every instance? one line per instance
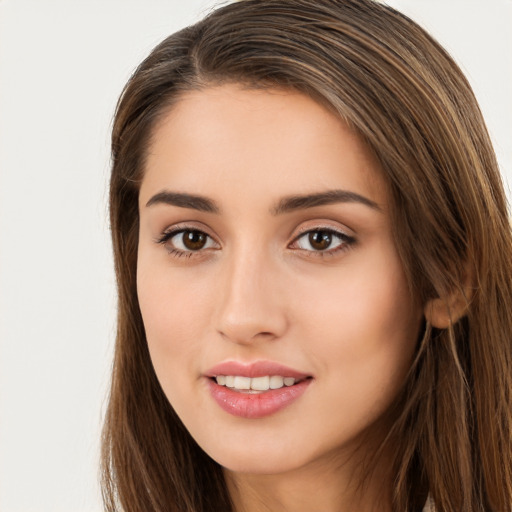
(256, 385)
(255, 390)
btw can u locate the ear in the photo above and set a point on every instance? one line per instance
(442, 312)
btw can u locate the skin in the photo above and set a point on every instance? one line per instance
(258, 291)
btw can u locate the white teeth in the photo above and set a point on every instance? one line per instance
(276, 382)
(255, 383)
(260, 383)
(242, 382)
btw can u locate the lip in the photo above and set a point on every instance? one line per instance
(254, 369)
(258, 405)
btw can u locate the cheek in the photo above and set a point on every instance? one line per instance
(371, 306)
(175, 310)
(362, 329)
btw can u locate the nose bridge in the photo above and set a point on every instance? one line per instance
(248, 305)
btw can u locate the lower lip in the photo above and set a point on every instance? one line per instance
(257, 405)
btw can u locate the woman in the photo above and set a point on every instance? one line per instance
(313, 258)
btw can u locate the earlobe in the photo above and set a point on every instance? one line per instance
(442, 312)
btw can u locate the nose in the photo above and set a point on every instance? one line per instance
(251, 305)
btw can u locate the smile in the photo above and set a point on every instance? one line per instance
(255, 390)
(254, 384)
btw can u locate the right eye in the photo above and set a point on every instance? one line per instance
(184, 242)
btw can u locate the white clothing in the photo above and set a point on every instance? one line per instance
(429, 505)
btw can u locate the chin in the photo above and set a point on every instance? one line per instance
(258, 465)
(256, 460)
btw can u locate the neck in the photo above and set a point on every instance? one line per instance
(330, 485)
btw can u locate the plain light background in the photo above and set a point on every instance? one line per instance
(62, 66)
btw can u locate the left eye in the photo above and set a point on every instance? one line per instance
(321, 240)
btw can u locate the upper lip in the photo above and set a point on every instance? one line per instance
(254, 369)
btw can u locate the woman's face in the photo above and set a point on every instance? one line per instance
(266, 261)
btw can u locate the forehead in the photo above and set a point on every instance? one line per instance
(257, 143)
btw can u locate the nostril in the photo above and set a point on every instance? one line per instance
(245, 334)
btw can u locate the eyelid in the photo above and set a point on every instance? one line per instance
(324, 225)
(347, 241)
(175, 229)
(185, 226)
(336, 232)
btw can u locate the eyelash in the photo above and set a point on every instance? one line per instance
(179, 253)
(345, 242)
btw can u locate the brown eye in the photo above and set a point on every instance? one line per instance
(194, 240)
(320, 240)
(187, 241)
(326, 241)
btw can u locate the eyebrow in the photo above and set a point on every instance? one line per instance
(301, 202)
(183, 200)
(285, 205)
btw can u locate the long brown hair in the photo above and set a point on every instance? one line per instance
(405, 96)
